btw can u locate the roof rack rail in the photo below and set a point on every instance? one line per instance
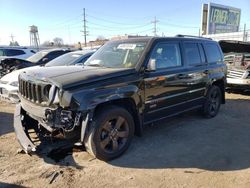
(192, 36)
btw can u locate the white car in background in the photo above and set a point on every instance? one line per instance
(15, 52)
(9, 85)
(9, 82)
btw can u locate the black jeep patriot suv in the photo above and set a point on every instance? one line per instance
(123, 86)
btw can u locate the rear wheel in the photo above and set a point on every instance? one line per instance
(213, 101)
(110, 133)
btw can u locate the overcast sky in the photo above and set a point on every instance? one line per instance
(104, 18)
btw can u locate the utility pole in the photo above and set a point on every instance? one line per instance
(244, 33)
(154, 29)
(12, 37)
(84, 28)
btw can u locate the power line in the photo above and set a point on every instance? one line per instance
(179, 26)
(118, 28)
(109, 21)
(115, 17)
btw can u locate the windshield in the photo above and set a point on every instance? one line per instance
(38, 56)
(65, 59)
(117, 55)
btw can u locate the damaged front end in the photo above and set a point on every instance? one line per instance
(40, 112)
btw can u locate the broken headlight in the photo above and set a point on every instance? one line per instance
(53, 95)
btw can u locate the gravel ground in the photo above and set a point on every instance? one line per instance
(185, 151)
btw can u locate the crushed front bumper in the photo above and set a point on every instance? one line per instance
(21, 132)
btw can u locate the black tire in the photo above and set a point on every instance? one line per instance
(213, 101)
(110, 133)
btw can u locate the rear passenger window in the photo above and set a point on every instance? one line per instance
(213, 53)
(12, 52)
(166, 55)
(192, 53)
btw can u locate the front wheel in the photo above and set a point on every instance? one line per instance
(213, 101)
(110, 134)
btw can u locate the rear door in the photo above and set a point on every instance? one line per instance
(197, 70)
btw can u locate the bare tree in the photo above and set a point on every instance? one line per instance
(46, 43)
(13, 43)
(100, 38)
(58, 41)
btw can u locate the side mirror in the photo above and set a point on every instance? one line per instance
(151, 65)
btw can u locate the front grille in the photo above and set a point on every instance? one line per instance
(237, 73)
(37, 93)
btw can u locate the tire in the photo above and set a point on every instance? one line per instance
(213, 101)
(110, 134)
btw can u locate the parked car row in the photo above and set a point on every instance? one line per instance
(9, 82)
(39, 58)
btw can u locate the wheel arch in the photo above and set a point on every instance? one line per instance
(129, 105)
(221, 84)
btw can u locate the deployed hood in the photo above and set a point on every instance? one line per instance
(70, 76)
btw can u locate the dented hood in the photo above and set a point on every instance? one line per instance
(72, 76)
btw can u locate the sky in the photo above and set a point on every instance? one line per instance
(108, 18)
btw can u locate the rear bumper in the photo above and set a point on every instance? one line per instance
(21, 132)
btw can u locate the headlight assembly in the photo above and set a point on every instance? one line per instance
(14, 84)
(53, 95)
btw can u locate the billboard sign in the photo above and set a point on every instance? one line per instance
(222, 19)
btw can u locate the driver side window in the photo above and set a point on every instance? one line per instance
(166, 55)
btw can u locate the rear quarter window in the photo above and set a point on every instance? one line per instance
(13, 52)
(213, 53)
